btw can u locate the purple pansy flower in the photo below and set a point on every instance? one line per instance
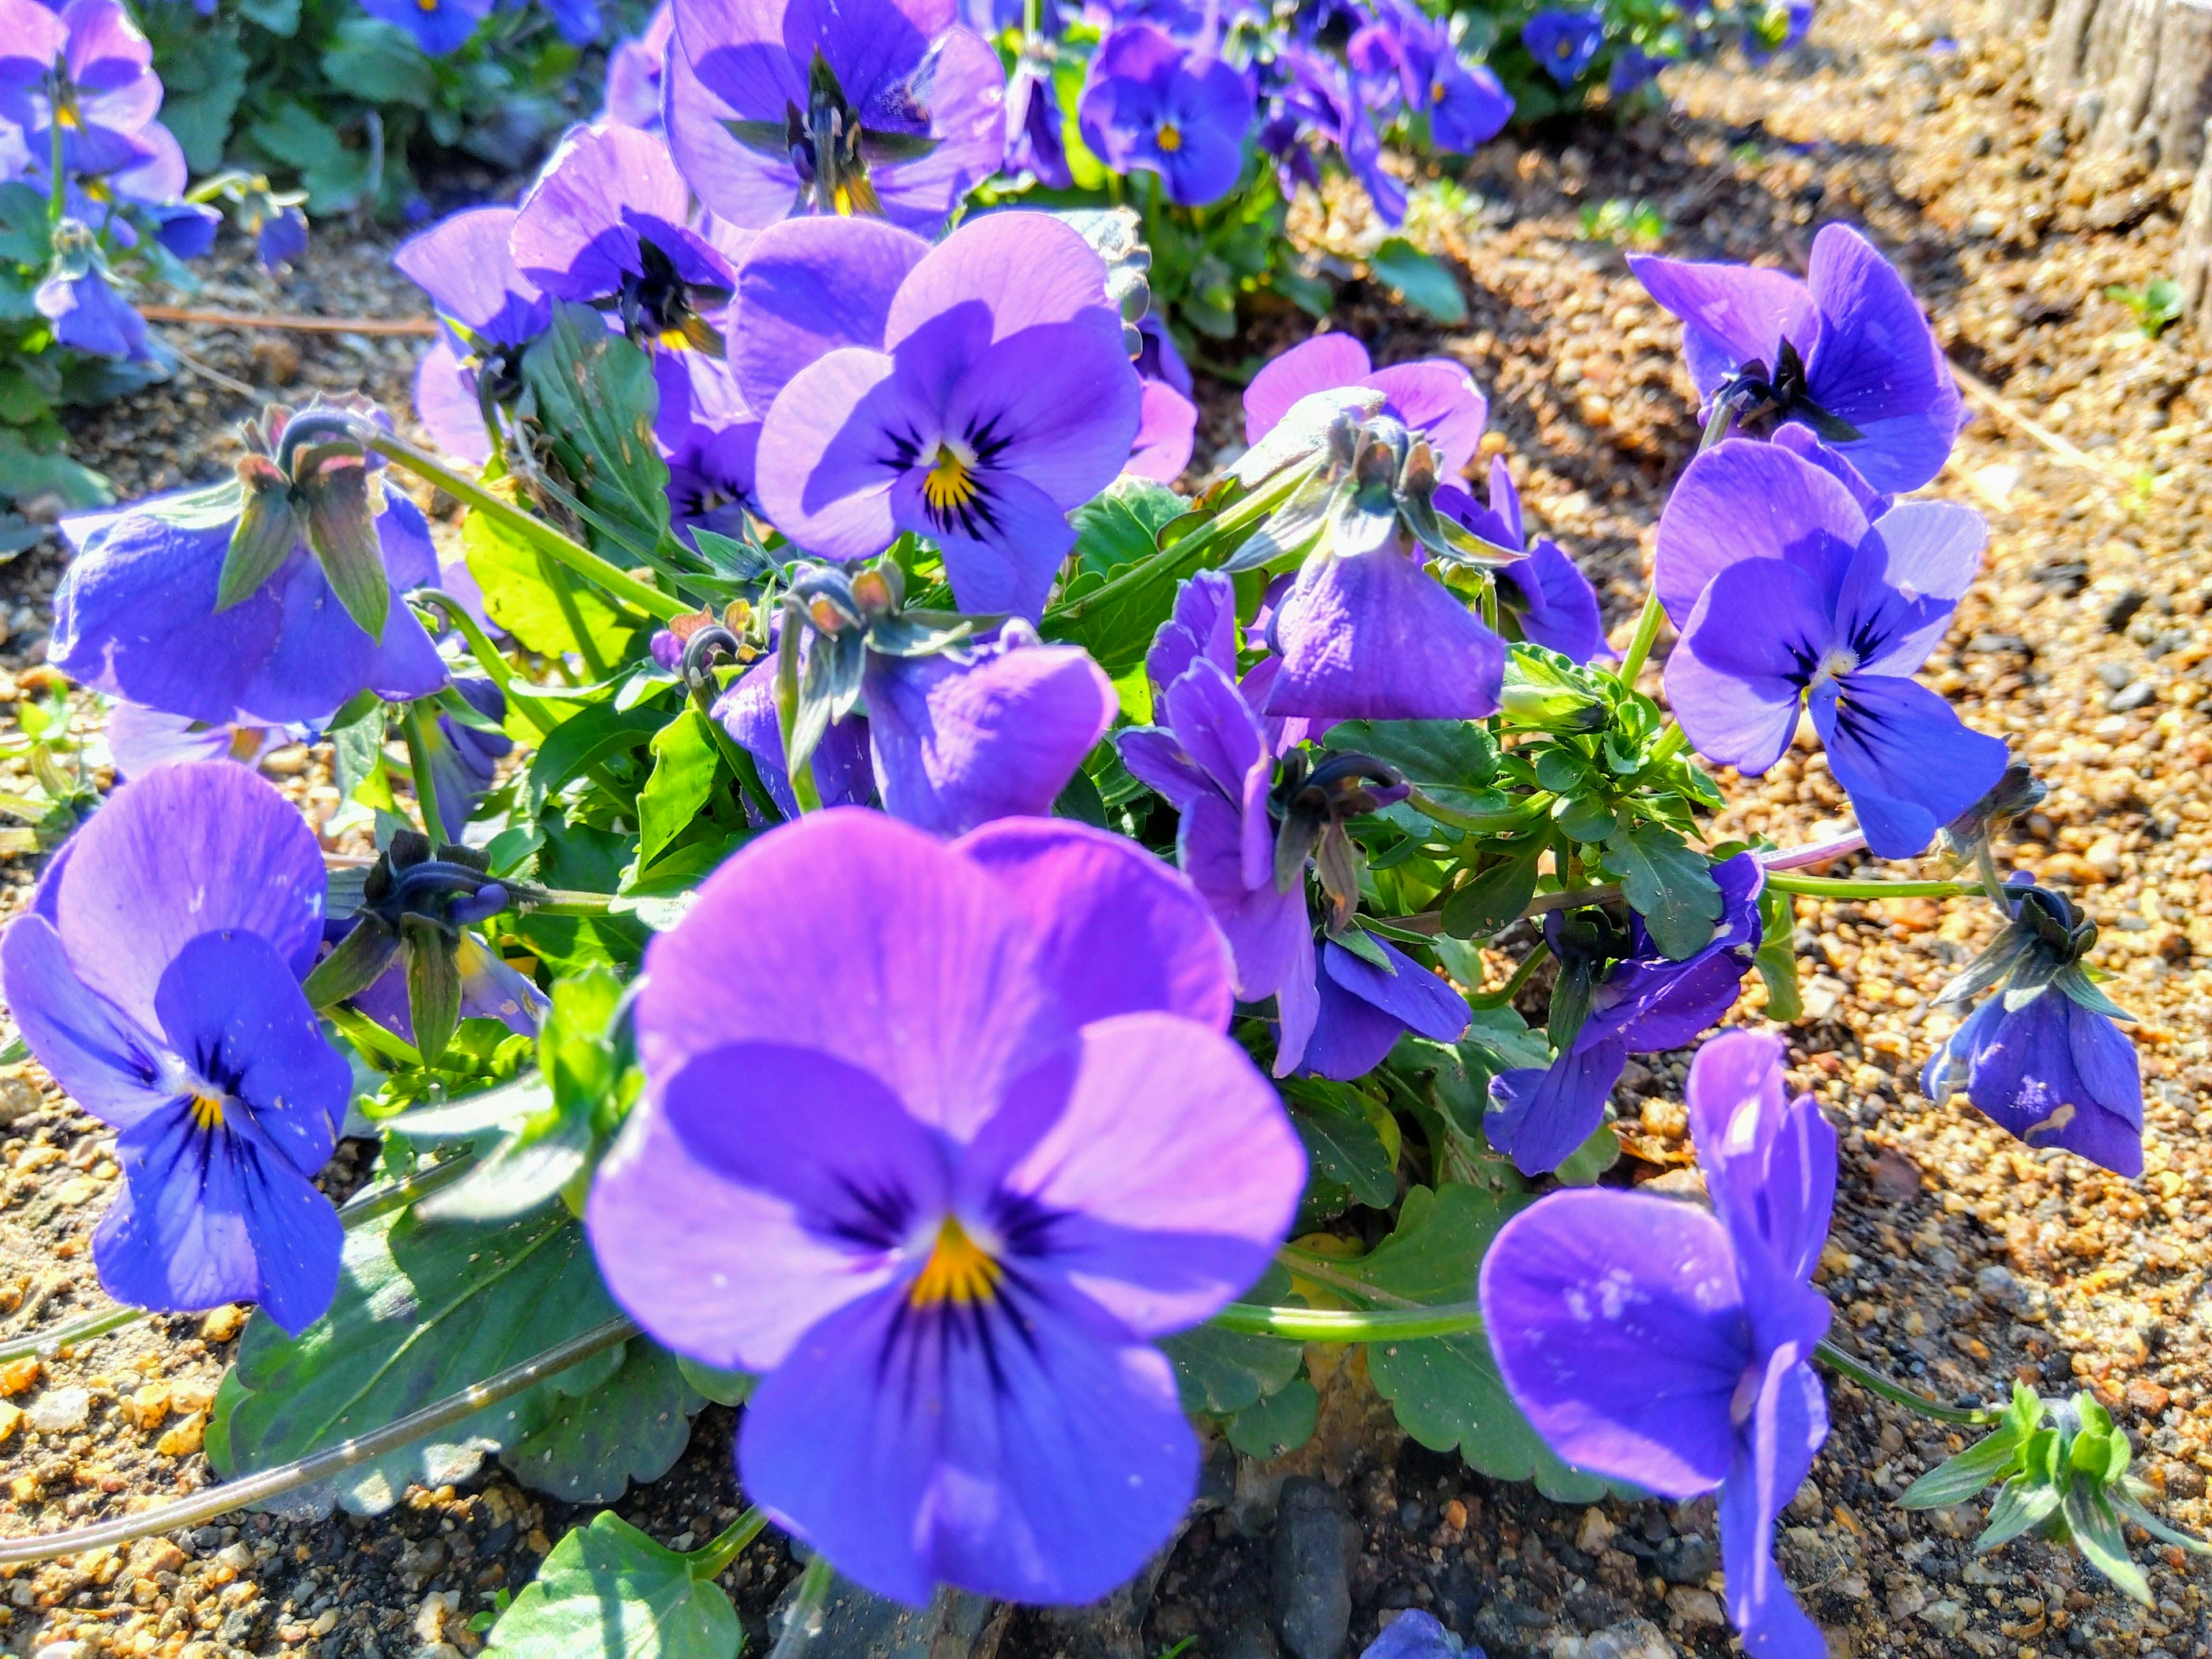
(986, 393)
(1151, 102)
(1563, 42)
(1311, 92)
(1432, 396)
(464, 759)
(1651, 1342)
(1646, 1004)
(578, 21)
(104, 90)
(635, 69)
(1466, 104)
(777, 105)
(439, 25)
(1557, 606)
(157, 979)
(280, 238)
(1787, 597)
(978, 1121)
(711, 442)
(1848, 346)
(77, 299)
(487, 311)
(1633, 67)
(140, 738)
(2042, 1057)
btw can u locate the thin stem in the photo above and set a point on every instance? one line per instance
(802, 1621)
(417, 728)
(1897, 1394)
(712, 1560)
(1640, 643)
(1244, 515)
(1337, 1325)
(1505, 993)
(799, 771)
(76, 1331)
(58, 180)
(323, 1465)
(539, 534)
(1481, 824)
(1785, 881)
(1669, 744)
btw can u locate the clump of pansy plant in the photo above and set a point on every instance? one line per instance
(853, 894)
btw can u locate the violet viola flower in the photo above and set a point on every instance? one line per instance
(578, 21)
(1036, 140)
(157, 978)
(985, 392)
(887, 106)
(1315, 93)
(439, 25)
(1433, 396)
(1633, 67)
(1645, 1004)
(104, 92)
(1787, 597)
(711, 442)
(1650, 1342)
(464, 758)
(488, 312)
(1152, 103)
(1563, 42)
(635, 69)
(1022, 1149)
(1466, 104)
(1557, 607)
(78, 299)
(1846, 352)
(140, 738)
(2042, 1058)
(280, 238)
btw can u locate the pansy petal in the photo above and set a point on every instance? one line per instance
(1155, 760)
(966, 87)
(1057, 404)
(1350, 1035)
(1616, 1323)
(446, 403)
(808, 286)
(1749, 645)
(107, 1066)
(703, 90)
(825, 472)
(1741, 500)
(1906, 580)
(1417, 999)
(1297, 998)
(1167, 425)
(1011, 569)
(1906, 759)
(1376, 637)
(1023, 270)
(1878, 364)
(464, 263)
(1770, 1162)
(1320, 364)
(1562, 611)
(1539, 1118)
(1788, 1421)
(1731, 314)
(1439, 399)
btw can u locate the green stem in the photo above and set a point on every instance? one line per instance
(1512, 988)
(539, 534)
(1337, 1325)
(1669, 744)
(801, 772)
(1482, 823)
(564, 595)
(1243, 516)
(1788, 881)
(414, 724)
(1640, 644)
(801, 1622)
(58, 185)
(1897, 1394)
(712, 1560)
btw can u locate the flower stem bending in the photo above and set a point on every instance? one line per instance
(712, 1558)
(1826, 887)
(1640, 643)
(1897, 1394)
(1338, 1325)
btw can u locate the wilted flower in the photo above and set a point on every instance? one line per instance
(439, 25)
(980, 1109)
(1846, 352)
(879, 106)
(1651, 1342)
(157, 978)
(1151, 102)
(1787, 599)
(1563, 42)
(1646, 1003)
(488, 312)
(2042, 1057)
(1557, 607)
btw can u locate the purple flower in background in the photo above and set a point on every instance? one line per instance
(280, 238)
(1151, 102)
(104, 94)
(635, 69)
(998, 396)
(1786, 598)
(879, 105)
(711, 442)
(1846, 352)
(1314, 93)
(77, 299)
(488, 310)
(439, 25)
(140, 738)
(1166, 428)
(1466, 104)
(578, 21)
(1646, 1004)
(980, 1116)
(746, 710)
(1432, 396)
(1633, 67)
(1035, 139)
(2042, 1058)
(464, 758)
(1649, 1341)
(1563, 42)
(1557, 607)
(157, 979)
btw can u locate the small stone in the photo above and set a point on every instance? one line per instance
(222, 1324)
(1632, 1639)
(1905, 1597)
(18, 1375)
(1595, 1536)
(1894, 1177)
(191, 1394)
(2182, 1479)
(183, 1440)
(1312, 1581)
(60, 1650)
(1807, 1504)
(1687, 1560)
(19, 1098)
(1947, 1619)
(2131, 697)
(2148, 1397)
(147, 1407)
(11, 1419)
(59, 1411)
(1695, 1607)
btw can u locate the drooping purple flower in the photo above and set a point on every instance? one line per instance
(1151, 102)
(1787, 597)
(281, 238)
(487, 311)
(464, 758)
(140, 738)
(1846, 352)
(1035, 139)
(635, 69)
(1633, 67)
(1563, 42)
(157, 979)
(1434, 396)
(746, 710)
(2042, 1058)
(1554, 601)
(1157, 358)
(1646, 1004)
(774, 106)
(937, 1165)
(997, 396)
(439, 25)
(1649, 1341)
(491, 989)
(79, 301)
(1411, 53)
(1166, 429)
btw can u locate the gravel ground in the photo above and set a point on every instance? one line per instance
(1961, 1259)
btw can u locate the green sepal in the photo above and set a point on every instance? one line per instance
(341, 531)
(433, 985)
(268, 530)
(354, 965)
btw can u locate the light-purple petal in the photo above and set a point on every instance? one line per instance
(107, 1065)
(1743, 499)
(1320, 364)
(1748, 647)
(1731, 314)
(807, 286)
(1438, 397)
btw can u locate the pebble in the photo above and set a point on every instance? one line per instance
(1632, 1639)
(1312, 1577)
(1689, 1558)
(1946, 1618)
(1695, 1607)
(1595, 1536)
(59, 1411)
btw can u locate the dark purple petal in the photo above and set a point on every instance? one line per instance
(2025, 1072)
(1155, 760)
(1059, 400)
(1365, 1009)
(1905, 758)
(1217, 730)
(1562, 612)
(1012, 573)
(107, 1066)
(439, 25)
(1539, 1118)
(577, 234)
(1741, 500)
(1731, 315)
(1376, 637)
(89, 315)
(1350, 1035)
(808, 286)
(746, 710)
(1202, 624)
(1788, 1421)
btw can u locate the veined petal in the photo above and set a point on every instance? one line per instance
(107, 1065)
(716, 75)
(1741, 500)
(1907, 579)
(1058, 404)
(1320, 364)
(1906, 759)
(1008, 567)
(1750, 643)
(1878, 364)
(827, 453)
(1540, 1117)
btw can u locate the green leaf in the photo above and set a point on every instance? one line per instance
(1116, 528)
(1776, 960)
(520, 596)
(1420, 280)
(422, 1310)
(46, 483)
(1451, 752)
(610, 1591)
(1224, 1372)
(581, 856)
(2097, 1534)
(685, 763)
(1278, 1424)
(279, 18)
(295, 137)
(1670, 886)
(204, 85)
(1343, 1145)
(2023, 1502)
(1958, 1479)
(23, 224)
(1592, 1158)
(632, 1426)
(596, 399)
(1494, 900)
(380, 63)
(1586, 817)
(585, 739)
(723, 1387)
(357, 749)
(1446, 1390)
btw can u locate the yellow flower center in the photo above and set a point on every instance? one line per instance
(426, 5)
(959, 1271)
(66, 114)
(948, 486)
(207, 1107)
(1435, 92)
(1169, 138)
(1563, 51)
(841, 199)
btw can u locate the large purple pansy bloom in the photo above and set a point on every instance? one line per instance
(711, 440)
(937, 1165)
(1648, 1003)
(157, 979)
(1153, 103)
(1557, 606)
(1864, 353)
(1432, 396)
(775, 105)
(487, 311)
(105, 94)
(999, 396)
(1653, 1343)
(1563, 42)
(439, 25)
(1787, 597)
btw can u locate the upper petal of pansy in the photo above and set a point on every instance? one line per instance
(183, 851)
(1788, 1421)
(1905, 758)
(1118, 931)
(1619, 1328)
(1167, 425)
(1439, 399)
(958, 743)
(1059, 404)
(902, 960)
(1215, 726)
(1745, 500)
(446, 403)
(1415, 998)
(572, 236)
(1907, 578)
(109, 1067)
(1749, 646)
(1878, 361)
(1268, 929)
(1563, 613)
(1731, 314)
(966, 87)
(1770, 1162)
(768, 1186)
(1320, 364)
(1376, 637)
(1024, 268)
(826, 459)
(807, 286)
(1203, 624)
(464, 263)
(712, 81)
